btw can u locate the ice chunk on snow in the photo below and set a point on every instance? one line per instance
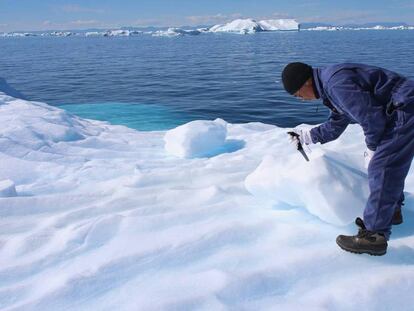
(327, 186)
(279, 24)
(7, 188)
(196, 138)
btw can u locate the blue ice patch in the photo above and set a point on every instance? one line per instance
(143, 117)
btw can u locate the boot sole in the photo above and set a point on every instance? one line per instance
(362, 251)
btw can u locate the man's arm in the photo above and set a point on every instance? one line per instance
(361, 106)
(331, 129)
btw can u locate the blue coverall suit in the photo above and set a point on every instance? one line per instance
(382, 102)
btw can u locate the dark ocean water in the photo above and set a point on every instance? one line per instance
(156, 82)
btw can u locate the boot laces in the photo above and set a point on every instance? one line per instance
(363, 232)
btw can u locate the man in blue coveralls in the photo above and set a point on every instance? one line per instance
(382, 102)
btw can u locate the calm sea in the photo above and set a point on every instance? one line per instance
(152, 83)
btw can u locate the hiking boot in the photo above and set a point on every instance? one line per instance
(397, 219)
(368, 242)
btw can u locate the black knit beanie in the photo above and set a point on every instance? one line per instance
(295, 75)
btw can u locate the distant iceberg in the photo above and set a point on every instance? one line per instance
(324, 28)
(93, 34)
(113, 33)
(61, 33)
(117, 33)
(18, 34)
(279, 24)
(239, 26)
(248, 26)
(354, 28)
(243, 26)
(173, 32)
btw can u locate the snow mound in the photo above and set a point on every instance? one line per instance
(38, 127)
(173, 32)
(249, 26)
(196, 139)
(327, 186)
(7, 189)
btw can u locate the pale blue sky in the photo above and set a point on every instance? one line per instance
(76, 14)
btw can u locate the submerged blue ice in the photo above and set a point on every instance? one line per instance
(143, 117)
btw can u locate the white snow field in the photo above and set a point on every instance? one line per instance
(103, 217)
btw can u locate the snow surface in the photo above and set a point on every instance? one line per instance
(107, 219)
(7, 188)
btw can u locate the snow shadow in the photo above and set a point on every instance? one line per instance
(407, 227)
(397, 255)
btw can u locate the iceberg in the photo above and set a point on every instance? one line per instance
(19, 34)
(279, 24)
(117, 33)
(249, 26)
(95, 216)
(94, 34)
(173, 32)
(324, 28)
(243, 26)
(61, 34)
(113, 33)
(355, 28)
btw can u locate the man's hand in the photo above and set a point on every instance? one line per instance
(368, 154)
(302, 135)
